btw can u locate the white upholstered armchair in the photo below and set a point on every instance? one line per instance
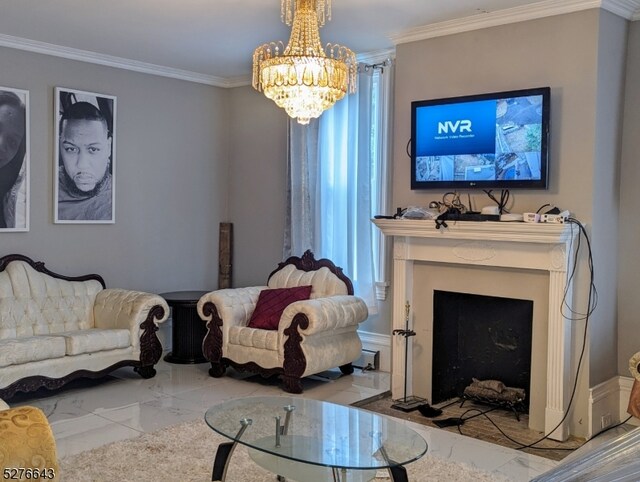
(310, 336)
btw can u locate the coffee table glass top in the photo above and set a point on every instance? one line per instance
(317, 432)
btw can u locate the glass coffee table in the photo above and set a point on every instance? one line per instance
(311, 441)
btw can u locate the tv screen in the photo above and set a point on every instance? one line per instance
(497, 140)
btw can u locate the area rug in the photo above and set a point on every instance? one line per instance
(185, 453)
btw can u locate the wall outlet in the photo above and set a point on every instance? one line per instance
(605, 421)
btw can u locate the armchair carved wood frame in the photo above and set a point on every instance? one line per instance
(314, 335)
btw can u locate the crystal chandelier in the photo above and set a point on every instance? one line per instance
(304, 78)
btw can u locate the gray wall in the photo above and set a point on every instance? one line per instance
(581, 56)
(629, 227)
(257, 184)
(603, 333)
(509, 57)
(171, 177)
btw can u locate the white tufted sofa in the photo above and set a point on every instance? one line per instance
(56, 328)
(312, 336)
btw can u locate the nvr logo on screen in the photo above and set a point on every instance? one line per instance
(459, 126)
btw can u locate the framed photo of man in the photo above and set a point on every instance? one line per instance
(85, 157)
(14, 159)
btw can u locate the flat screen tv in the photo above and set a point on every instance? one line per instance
(497, 140)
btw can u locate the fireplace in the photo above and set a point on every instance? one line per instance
(482, 337)
(514, 260)
(484, 281)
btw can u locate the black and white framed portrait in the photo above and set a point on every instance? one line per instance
(14, 159)
(85, 156)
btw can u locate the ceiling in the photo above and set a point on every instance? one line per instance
(212, 41)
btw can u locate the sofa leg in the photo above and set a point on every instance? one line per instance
(145, 372)
(291, 384)
(217, 369)
(346, 369)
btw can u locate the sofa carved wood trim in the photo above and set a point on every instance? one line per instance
(150, 346)
(40, 268)
(31, 384)
(295, 363)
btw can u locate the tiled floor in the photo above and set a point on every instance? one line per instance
(90, 414)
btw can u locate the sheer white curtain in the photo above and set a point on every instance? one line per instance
(336, 185)
(302, 182)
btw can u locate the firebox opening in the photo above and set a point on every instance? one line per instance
(481, 337)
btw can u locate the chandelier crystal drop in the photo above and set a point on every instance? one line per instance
(304, 78)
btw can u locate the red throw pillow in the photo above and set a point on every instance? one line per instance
(271, 304)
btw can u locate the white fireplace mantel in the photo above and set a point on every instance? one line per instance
(546, 247)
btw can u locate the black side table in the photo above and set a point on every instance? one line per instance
(188, 329)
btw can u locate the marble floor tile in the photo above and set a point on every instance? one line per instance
(55, 408)
(88, 414)
(174, 379)
(150, 416)
(87, 432)
(515, 465)
(111, 394)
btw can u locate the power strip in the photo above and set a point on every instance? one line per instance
(555, 218)
(546, 218)
(552, 218)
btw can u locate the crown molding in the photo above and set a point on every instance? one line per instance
(109, 60)
(628, 9)
(238, 81)
(376, 56)
(147, 68)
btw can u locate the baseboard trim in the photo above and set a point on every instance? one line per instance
(604, 406)
(378, 342)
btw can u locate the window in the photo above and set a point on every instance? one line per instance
(339, 179)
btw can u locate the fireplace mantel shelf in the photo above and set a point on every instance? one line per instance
(512, 245)
(484, 230)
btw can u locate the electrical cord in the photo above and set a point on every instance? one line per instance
(592, 301)
(450, 203)
(542, 207)
(480, 412)
(612, 427)
(504, 199)
(590, 308)
(593, 292)
(501, 431)
(451, 200)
